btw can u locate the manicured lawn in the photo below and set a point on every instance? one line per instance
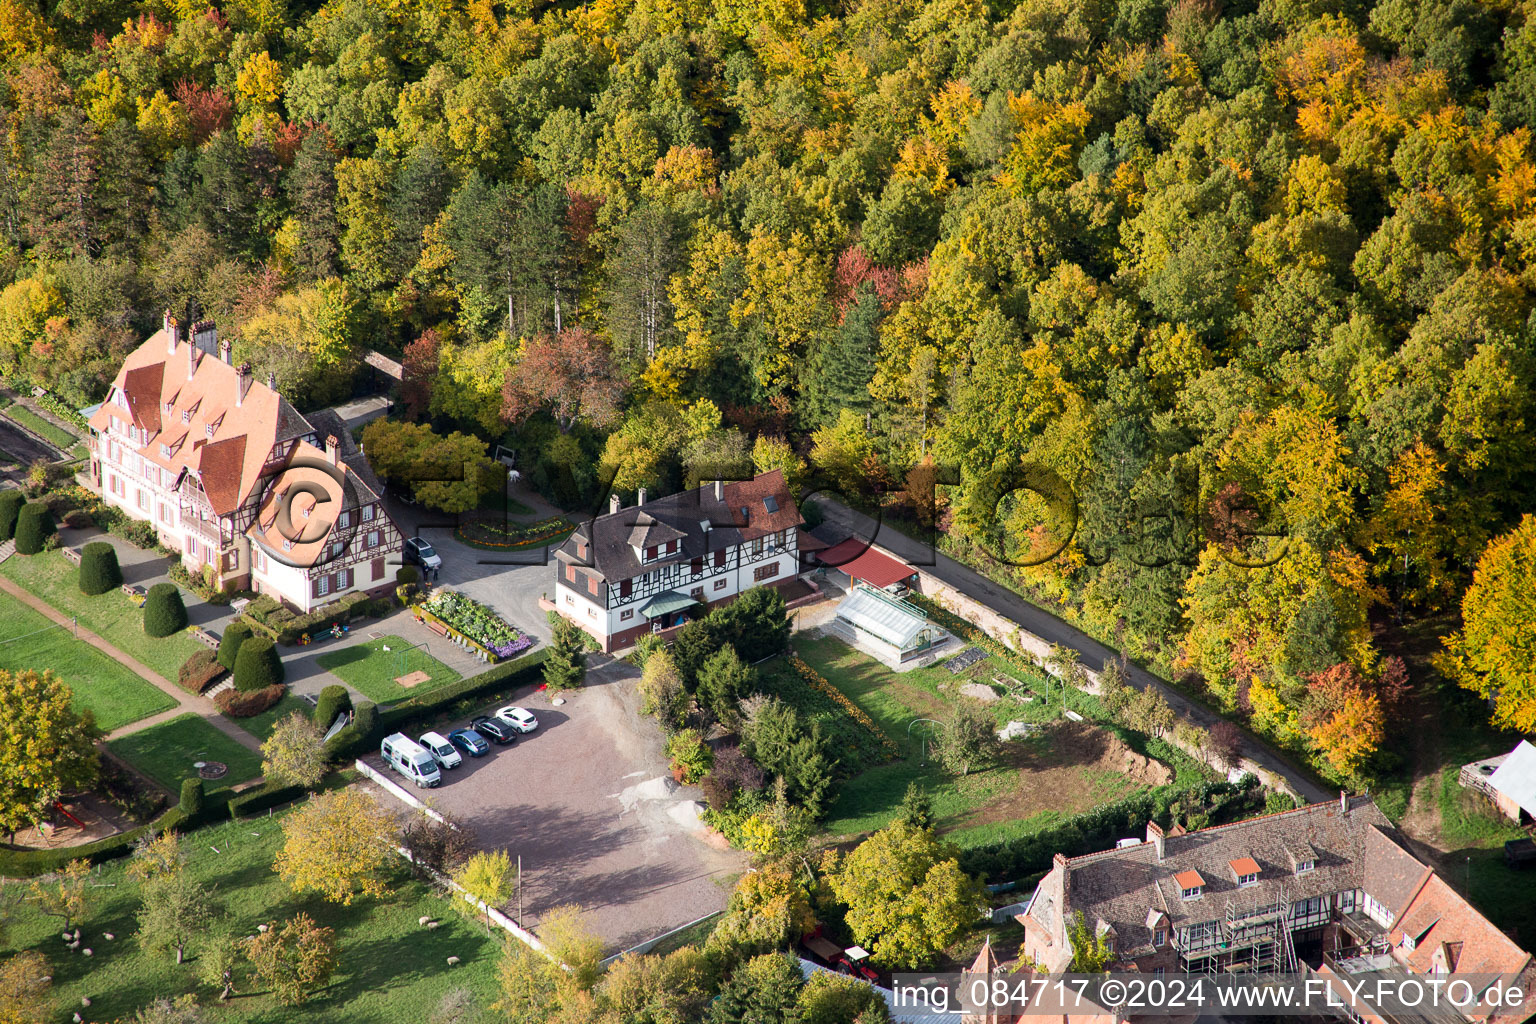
(167, 752)
(261, 725)
(372, 670)
(111, 615)
(115, 695)
(59, 438)
(391, 968)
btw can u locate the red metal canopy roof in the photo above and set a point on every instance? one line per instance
(855, 557)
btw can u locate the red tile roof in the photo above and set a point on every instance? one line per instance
(855, 557)
(1189, 879)
(1244, 866)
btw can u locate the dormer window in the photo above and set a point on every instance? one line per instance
(1191, 884)
(1192, 893)
(1245, 870)
(208, 430)
(186, 415)
(1304, 867)
(165, 450)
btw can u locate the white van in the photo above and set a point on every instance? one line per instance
(438, 746)
(410, 759)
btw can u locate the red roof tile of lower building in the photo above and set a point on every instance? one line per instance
(855, 557)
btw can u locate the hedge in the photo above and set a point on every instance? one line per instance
(191, 797)
(264, 796)
(199, 672)
(18, 863)
(245, 703)
(10, 507)
(1101, 827)
(257, 666)
(164, 612)
(237, 633)
(99, 571)
(360, 735)
(287, 626)
(34, 525)
(334, 700)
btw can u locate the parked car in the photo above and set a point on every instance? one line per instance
(471, 742)
(518, 718)
(410, 759)
(494, 729)
(438, 746)
(417, 550)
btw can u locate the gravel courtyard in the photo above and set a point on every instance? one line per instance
(588, 804)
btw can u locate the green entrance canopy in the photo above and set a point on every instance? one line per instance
(665, 603)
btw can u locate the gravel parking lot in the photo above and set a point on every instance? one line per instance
(588, 804)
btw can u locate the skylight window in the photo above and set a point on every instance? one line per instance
(771, 504)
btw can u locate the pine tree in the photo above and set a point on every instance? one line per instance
(566, 664)
(311, 187)
(644, 258)
(839, 374)
(62, 211)
(419, 193)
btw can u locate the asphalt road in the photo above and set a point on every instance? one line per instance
(1052, 630)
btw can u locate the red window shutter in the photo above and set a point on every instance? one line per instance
(314, 587)
(626, 587)
(378, 568)
(591, 585)
(720, 559)
(650, 552)
(570, 573)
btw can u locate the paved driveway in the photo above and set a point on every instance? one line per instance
(510, 582)
(587, 804)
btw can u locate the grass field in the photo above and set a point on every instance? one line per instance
(261, 725)
(391, 969)
(167, 752)
(115, 695)
(56, 436)
(1039, 780)
(372, 670)
(111, 615)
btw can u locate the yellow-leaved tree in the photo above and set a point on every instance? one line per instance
(337, 845)
(1494, 652)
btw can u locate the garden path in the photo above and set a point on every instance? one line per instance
(185, 702)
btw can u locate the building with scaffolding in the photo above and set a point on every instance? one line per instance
(1264, 895)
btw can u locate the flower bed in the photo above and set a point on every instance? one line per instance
(475, 623)
(502, 536)
(853, 710)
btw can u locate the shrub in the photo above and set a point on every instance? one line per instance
(407, 574)
(34, 525)
(245, 703)
(266, 795)
(334, 700)
(257, 666)
(164, 612)
(191, 797)
(229, 644)
(199, 672)
(691, 756)
(99, 571)
(10, 507)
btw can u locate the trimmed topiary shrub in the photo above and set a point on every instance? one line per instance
(229, 644)
(199, 672)
(245, 703)
(10, 507)
(334, 700)
(407, 574)
(34, 525)
(164, 612)
(191, 797)
(257, 666)
(99, 571)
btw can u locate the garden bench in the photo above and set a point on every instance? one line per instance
(135, 593)
(205, 637)
(72, 555)
(437, 627)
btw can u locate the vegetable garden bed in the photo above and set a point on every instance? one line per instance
(469, 620)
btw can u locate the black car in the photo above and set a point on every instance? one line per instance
(496, 732)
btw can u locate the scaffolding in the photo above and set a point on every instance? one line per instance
(1256, 934)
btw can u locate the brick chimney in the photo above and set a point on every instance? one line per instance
(1059, 863)
(1343, 802)
(242, 382)
(272, 380)
(1155, 837)
(172, 333)
(332, 449)
(224, 350)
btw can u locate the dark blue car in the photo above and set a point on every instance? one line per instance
(469, 741)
